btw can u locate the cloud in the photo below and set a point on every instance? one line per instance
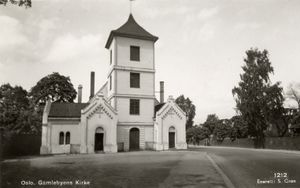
(11, 34)
(207, 13)
(166, 11)
(206, 32)
(45, 26)
(69, 47)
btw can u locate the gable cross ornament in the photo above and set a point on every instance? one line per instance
(130, 1)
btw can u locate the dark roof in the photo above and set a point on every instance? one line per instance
(130, 29)
(158, 107)
(66, 110)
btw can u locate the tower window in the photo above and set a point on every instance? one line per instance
(134, 53)
(61, 138)
(68, 137)
(134, 80)
(134, 107)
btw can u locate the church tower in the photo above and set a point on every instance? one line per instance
(122, 115)
(131, 83)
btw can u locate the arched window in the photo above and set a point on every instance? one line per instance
(61, 138)
(172, 140)
(99, 130)
(68, 137)
(172, 129)
(99, 139)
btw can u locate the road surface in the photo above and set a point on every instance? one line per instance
(132, 169)
(256, 168)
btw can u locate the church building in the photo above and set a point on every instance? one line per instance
(124, 114)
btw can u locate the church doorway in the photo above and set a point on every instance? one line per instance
(171, 137)
(134, 139)
(99, 139)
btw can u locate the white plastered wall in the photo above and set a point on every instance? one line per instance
(170, 115)
(63, 126)
(98, 114)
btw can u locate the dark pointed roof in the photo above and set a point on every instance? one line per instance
(130, 29)
(66, 110)
(158, 107)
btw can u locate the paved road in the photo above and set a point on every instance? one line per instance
(245, 167)
(133, 169)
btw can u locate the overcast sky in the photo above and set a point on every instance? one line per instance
(199, 53)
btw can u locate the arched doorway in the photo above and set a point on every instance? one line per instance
(134, 139)
(99, 139)
(172, 137)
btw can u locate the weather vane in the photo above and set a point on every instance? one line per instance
(131, 5)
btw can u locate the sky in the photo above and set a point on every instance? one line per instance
(199, 53)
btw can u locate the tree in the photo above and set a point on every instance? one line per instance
(196, 133)
(222, 130)
(13, 100)
(16, 114)
(293, 92)
(26, 3)
(189, 108)
(211, 122)
(239, 128)
(257, 100)
(13, 97)
(294, 115)
(54, 87)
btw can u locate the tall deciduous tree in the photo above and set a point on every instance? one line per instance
(16, 114)
(222, 130)
(257, 99)
(54, 87)
(188, 107)
(211, 122)
(239, 128)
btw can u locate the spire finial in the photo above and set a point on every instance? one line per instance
(130, 1)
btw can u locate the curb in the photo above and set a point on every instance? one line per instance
(227, 181)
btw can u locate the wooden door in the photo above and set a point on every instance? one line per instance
(99, 141)
(134, 139)
(171, 139)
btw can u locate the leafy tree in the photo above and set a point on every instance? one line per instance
(239, 128)
(16, 114)
(257, 100)
(197, 133)
(293, 92)
(13, 97)
(211, 122)
(29, 122)
(12, 101)
(222, 130)
(295, 118)
(54, 87)
(189, 108)
(26, 3)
